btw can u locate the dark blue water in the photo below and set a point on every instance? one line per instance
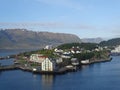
(100, 76)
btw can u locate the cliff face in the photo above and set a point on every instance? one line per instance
(24, 39)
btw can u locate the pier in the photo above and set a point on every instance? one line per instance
(8, 67)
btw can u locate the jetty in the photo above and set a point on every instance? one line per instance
(8, 67)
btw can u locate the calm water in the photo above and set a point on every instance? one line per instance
(100, 76)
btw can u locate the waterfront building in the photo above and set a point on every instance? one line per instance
(87, 61)
(38, 58)
(48, 65)
(116, 50)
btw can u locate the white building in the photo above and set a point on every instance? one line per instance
(116, 50)
(38, 58)
(59, 60)
(48, 65)
(87, 61)
(58, 50)
(48, 47)
(66, 55)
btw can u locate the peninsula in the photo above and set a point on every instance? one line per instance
(59, 60)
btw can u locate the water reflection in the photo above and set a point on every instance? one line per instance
(47, 82)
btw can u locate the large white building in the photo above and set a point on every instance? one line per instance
(48, 65)
(116, 50)
(38, 58)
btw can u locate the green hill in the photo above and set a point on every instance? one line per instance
(87, 46)
(111, 42)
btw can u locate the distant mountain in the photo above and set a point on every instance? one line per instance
(92, 40)
(111, 42)
(24, 39)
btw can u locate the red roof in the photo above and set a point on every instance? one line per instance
(42, 56)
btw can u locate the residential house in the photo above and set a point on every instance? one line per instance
(75, 50)
(48, 65)
(58, 51)
(74, 61)
(59, 60)
(48, 47)
(66, 55)
(38, 58)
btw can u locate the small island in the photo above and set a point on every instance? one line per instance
(61, 59)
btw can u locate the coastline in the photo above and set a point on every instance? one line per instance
(61, 71)
(23, 68)
(97, 61)
(101, 60)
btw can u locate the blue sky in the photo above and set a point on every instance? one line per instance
(85, 18)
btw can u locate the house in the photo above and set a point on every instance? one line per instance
(75, 50)
(58, 51)
(59, 60)
(48, 65)
(48, 47)
(66, 55)
(74, 61)
(38, 58)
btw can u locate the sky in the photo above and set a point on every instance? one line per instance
(84, 18)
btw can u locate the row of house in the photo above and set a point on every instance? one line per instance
(74, 50)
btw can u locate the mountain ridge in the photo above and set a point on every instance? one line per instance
(22, 38)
